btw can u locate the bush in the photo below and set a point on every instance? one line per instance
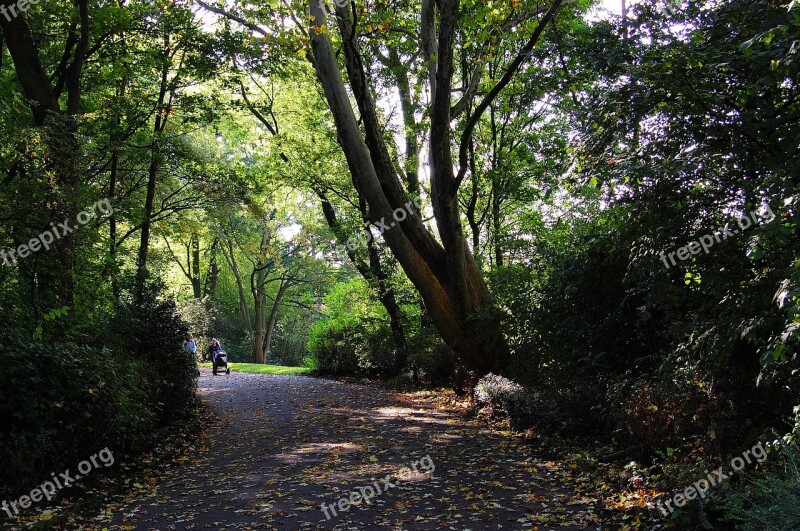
(60, 402)
(288, 351)
(504, 395)
(201, 317)
(557, 410)
(350, 348)
(769, 496)
(430, 356)
(154, 335)
(766, 498)
(332, 351)
(676, 413)
(355, 335)
(239, 350)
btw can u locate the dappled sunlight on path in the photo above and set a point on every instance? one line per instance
(283, 445)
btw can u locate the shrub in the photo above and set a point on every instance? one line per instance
(558, 410)
(677, 413)
(769, 496)
(201, 317)
(288, 351)
(504, 395)
(354, 336)
(239, 350)
(430, 356)
(332, 350)
(154, 334)
(59, 402)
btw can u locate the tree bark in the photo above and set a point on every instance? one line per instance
(258, 281)
(31, 75)
(112, 225)
(212, 280)
(409, 123)
(194, 270)
(446, 275)
(256, 288)
(152, 173)
(51, 276)
(497, 223)
(273, 315)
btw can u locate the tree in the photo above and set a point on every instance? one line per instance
(51, 279)
(181, 64)
(445, 273)
(273, 261)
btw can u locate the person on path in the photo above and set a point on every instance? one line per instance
(218, 357)
(190, 345)
(214, 348)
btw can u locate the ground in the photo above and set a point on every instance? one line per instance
(282, 446)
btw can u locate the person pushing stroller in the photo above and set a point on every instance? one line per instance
(218, 357)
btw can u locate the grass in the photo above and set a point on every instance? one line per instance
(255, 368)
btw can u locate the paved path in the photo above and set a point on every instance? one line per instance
(285, 445)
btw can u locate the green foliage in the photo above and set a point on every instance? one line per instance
(239, 350)
(201, 318)
(61, 401)
(600, 311)
(332, 348)
(149, 329)
(769, 497)
(354, 334)
(611, 146)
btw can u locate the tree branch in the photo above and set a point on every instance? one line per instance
(463, 157)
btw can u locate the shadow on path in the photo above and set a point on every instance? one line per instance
(284, 445)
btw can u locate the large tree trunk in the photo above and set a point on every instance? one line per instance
(446, 274)
(52, 283)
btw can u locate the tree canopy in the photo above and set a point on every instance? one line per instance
(600, 207)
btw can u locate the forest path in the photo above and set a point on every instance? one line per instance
(284, 445)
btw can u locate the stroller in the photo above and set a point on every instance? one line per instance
(220, 359)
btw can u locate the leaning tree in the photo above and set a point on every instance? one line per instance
(444, 270)
(411, 54)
